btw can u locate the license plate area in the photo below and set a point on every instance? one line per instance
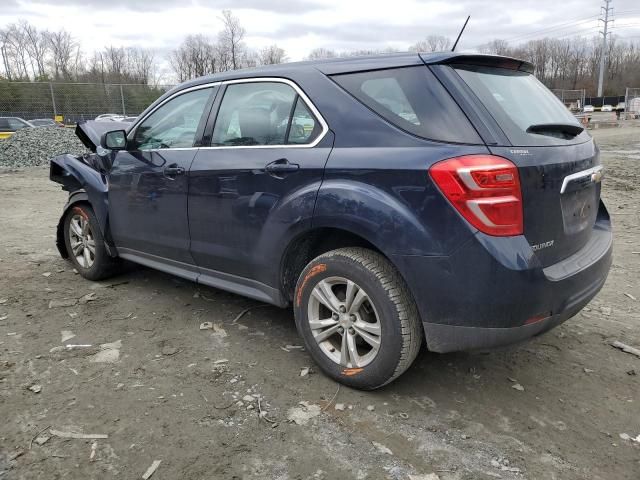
(579, 208)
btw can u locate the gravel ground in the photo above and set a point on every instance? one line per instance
(32, 147)
(565, 405)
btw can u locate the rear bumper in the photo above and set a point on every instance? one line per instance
(493, 292)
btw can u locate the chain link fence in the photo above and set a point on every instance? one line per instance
(75, 101)
(573, 99)
(632, 103)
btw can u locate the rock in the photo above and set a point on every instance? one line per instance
(218, 331)
(89, 297)
(427, 476)
(303, 413)
(606, 311)
(382, 449)
(305, 371)
(630, 296)
(631, 372)
(42, 439)
(371, 408)
(67, 302)
(339, 406)
(518, 387)
(46, 274)
(109, 353)
(35, 388)
(169, 350)
(66, 335)
(248, 398)
(30, 147)
(222, 360)
(206, 326)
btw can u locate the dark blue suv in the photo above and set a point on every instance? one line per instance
(445, 199)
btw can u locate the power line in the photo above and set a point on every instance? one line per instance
(561, 26)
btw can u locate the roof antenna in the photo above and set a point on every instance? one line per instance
(460, 34)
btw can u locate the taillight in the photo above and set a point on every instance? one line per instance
(485, 189)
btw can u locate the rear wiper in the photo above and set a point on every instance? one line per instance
(551, 128)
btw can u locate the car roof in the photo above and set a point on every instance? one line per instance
(331, 66)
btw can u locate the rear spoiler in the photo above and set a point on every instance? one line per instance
(485, 60)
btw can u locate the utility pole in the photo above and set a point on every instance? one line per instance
(606, 9)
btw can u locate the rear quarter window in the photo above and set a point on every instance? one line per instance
(412, 99)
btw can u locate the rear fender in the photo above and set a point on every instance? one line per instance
(84, 184)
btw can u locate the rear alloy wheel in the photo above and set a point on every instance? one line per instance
(357, 317)
(85, 244)
(344, 322)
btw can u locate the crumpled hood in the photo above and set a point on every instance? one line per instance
(89, 131)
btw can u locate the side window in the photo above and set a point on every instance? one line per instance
(262, 113)
(15, 124)
(174, 124)
(304, 126)
(411, 98)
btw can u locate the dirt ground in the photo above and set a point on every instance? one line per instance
(162, 389)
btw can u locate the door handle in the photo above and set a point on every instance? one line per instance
(173, 170)
(281, 166)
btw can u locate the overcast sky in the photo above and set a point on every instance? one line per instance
(299, 26)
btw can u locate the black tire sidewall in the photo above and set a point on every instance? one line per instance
(383, 366)
(101, 259)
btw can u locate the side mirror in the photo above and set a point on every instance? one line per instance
(114, 140)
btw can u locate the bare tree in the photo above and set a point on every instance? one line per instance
(231, 37)
(37, 47)
(320, 53)
(433, 43)
(272, 55)
(63, 47)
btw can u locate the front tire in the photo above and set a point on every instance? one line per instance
(357, 317)
(85, 244)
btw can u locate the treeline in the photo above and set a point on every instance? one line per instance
(574, 63)
(30, 54)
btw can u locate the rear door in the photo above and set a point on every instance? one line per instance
(148, 183)
(258, 180)
(558, 161)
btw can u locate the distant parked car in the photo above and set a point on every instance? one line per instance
(621, 106)
(588, 109)
(109, 117)
(45, 122)
(606, 108)
(9, 125)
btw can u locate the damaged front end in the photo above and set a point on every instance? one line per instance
(85, 178)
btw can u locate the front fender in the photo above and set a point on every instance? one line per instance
(84, 184)
(75, 175)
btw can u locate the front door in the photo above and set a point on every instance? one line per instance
(148, 182)
(257, 180)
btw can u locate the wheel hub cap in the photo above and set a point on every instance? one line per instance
(344, 322)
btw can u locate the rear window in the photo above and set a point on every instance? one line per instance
(412, 99)
(518, 101)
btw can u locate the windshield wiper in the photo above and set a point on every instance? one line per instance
(568, 129)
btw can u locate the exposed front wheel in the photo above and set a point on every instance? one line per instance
(357, 317)
(85, 244)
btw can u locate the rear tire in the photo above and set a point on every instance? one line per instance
(85, 244)
(357, 317)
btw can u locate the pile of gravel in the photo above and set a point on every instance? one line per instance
(31, 147)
